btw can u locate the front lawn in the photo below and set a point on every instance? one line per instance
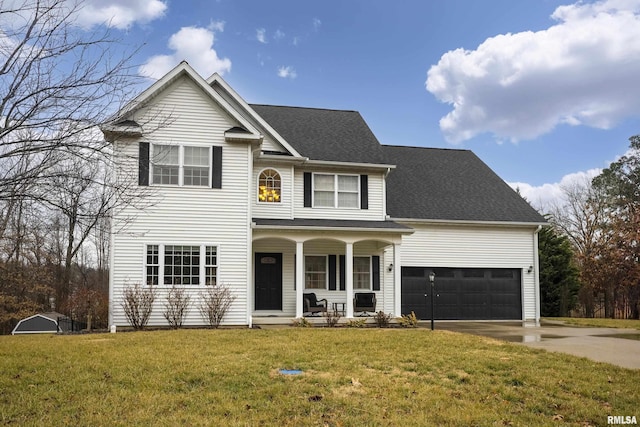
(599, 322)
(351, 377)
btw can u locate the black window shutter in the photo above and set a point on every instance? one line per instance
(143, 163)
(375, 271)
(364, 191)
(307, 189)
(332, 272)
(343, 282)
(216, 164)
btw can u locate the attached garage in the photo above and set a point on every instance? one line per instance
(463, 293)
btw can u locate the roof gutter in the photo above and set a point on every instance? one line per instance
(282, 158)
(330, 163)
(470, 222)
(328, 228)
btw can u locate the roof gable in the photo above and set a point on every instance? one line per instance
(328, 135)
(181, 70)
(450, 185)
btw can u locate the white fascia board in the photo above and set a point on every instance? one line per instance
(281, 159)
(329, 228)
(470, 222)
(216, 78)
(334, 164)
(185, 69)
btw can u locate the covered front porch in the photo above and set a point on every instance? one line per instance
(334, 261)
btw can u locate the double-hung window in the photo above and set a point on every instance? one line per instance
(166, 164)
(341, 191)
(315, 272)
(362, 272)
(181, 265)
(196, 166)
(181, 165)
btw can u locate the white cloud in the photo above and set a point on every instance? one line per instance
(287, 72)
(278, 35)
(261, 35)
(581, 71)
(193, 44)
(121, 14)
(316, 24)
(546, 196)
(217, 26)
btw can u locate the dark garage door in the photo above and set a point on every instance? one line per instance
(463, 293)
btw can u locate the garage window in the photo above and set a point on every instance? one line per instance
(477, 273)
(502, 274)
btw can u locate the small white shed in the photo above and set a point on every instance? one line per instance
(41, 323)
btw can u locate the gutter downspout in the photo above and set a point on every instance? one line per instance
(536, 273)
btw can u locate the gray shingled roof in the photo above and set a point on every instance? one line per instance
(444, 184)
(333, 135)
(427, 183)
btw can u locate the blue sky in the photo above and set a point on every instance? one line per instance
(544, 91)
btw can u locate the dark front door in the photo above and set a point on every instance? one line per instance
(268, 281)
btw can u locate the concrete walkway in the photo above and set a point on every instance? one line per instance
(616, 346)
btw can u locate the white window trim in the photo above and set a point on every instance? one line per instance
(279, 202)
(202, 266)
(335, 191)
(180, 166)
(326, 272)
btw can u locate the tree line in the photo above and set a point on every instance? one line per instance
(58, 83)
(590, 254)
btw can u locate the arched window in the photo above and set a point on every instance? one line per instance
(269, 186)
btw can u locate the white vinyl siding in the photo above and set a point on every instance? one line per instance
(186, 215)
(474, 247)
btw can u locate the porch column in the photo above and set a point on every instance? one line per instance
(299, 278)
(348, 275)
(397, 280)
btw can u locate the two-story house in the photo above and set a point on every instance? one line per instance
(275, 202)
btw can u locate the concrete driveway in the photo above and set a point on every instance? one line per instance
(616, 346)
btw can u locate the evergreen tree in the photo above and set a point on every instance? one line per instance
(559, 283)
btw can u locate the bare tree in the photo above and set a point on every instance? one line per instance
(59, 85)
(582, 218)
(57, 81)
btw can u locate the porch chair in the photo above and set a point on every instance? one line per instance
(314, 305)
(364, 302)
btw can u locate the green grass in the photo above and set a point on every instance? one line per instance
(599, 322)
(352, 377)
